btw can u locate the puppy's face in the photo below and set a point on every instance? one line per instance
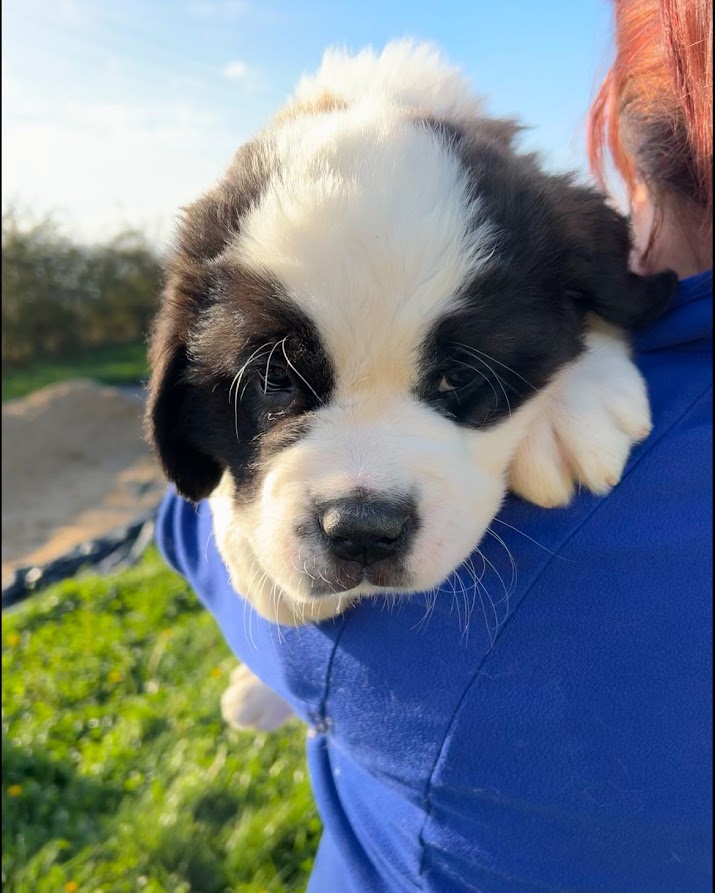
(357, 327)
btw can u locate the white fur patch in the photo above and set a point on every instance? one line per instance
(369, 258)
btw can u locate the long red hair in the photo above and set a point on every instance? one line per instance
(652, 118)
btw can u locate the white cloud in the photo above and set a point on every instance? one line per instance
(235, 71)
(250, 79)
(102, 166)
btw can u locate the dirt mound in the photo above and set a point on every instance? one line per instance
(74, 467)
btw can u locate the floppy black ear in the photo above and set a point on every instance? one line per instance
(171, 420)
(642, 300)
(600, 278)
(176, 420)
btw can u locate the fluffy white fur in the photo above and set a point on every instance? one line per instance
(594, 412)
(412, 75)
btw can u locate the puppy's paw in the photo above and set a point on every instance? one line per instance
(249, 704)
(594, 412)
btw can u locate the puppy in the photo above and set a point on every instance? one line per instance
(380, 318)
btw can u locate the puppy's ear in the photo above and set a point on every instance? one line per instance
(600, 280)
(172, 416)
(639, 301)
(176, 421)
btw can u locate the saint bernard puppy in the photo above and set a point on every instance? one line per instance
(381, 318)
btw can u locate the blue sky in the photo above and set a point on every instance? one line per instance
(116, 113)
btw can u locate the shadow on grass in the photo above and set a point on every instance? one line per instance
(51, 802)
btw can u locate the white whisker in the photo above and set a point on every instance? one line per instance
(474, 350)
(268, 366)
(499, 381)
(306, 383)
(535, 542)
(512, 560)
(488, 381)
(237, 382)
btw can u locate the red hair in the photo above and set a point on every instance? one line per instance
(653, 115)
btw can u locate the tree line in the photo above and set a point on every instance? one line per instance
(60, 297)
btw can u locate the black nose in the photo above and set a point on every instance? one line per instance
(366, 531)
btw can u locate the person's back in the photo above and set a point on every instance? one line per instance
(543, 725)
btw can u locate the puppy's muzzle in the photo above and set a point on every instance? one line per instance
(366, 530)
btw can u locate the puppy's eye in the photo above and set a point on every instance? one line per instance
(277, 379)
(456, 379)
(445, 385)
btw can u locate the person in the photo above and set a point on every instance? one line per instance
(549, 728)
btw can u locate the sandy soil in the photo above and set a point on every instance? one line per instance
(74, 467)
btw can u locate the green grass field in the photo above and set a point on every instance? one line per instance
(116, 365)
(118, 773)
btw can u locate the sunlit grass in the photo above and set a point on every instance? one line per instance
(123, 364)
(118, 773)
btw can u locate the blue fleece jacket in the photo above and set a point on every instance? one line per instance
(560, 739)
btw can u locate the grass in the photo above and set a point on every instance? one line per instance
(114, 365)
(118, 773)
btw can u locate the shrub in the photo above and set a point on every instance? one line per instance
(60, 297)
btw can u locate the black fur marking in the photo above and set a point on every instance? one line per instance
(561, 253)
(229, 413)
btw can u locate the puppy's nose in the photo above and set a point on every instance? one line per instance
(365, 531)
